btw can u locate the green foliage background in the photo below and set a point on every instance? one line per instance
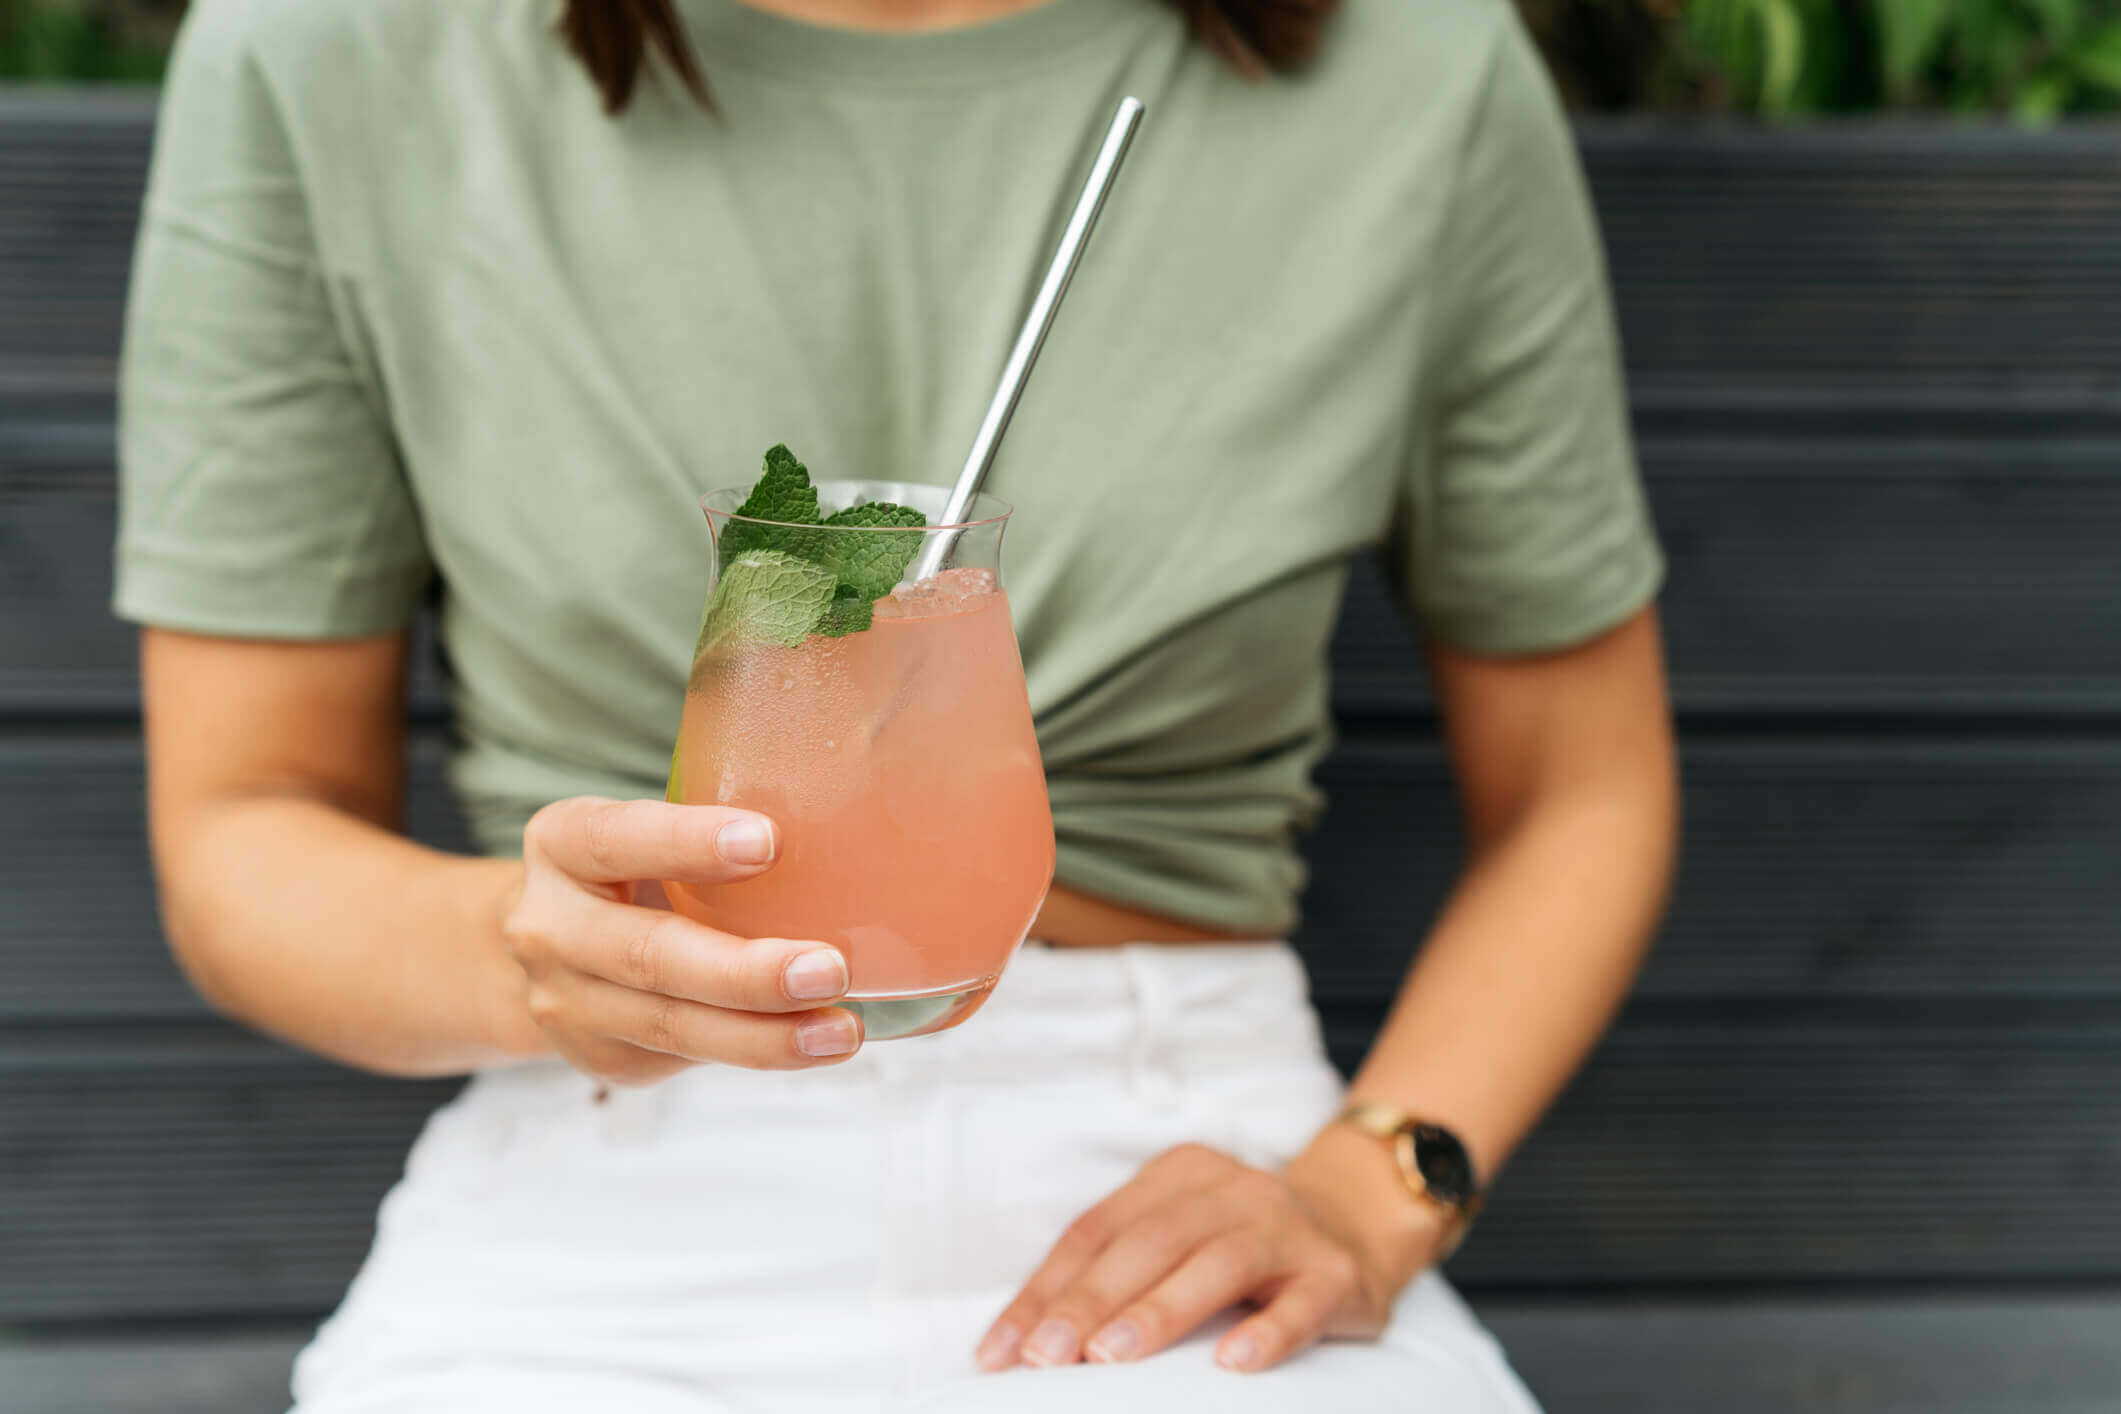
(2030, 59)
(2033, 60)
(73, 41)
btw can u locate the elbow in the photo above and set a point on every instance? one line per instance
(1664, 809)
(217, 971)
(190, 942)
(1648, 813)
(180, 846)
(1640, 807)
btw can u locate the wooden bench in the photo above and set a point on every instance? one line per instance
(1856, 1143)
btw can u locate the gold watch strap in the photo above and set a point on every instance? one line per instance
(1395, 1127)
(1374, 1117)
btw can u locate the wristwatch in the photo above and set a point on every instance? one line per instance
(1432, 1161)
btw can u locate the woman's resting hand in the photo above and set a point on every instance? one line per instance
(1320, 1250)
(632, 994)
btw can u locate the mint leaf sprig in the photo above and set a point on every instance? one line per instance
(766, 596)
(782, 582)
(782, 494)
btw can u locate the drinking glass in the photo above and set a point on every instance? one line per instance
(898, 761)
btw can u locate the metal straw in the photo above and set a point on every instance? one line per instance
(1032, 337)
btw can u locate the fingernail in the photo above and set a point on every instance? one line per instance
(1118, 1341)
(999, 1348)
(815, 975)
(745, 841)
(1240, 1352)
(833, 1034)
(1053, 1343)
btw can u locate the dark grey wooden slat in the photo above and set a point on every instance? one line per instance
(1911, 576)
(231, 1180)
(1904, 1355)
(210, 1177)
(1823, 870)
(1909, 264)
(79, 939)
(221, 1373)
(72, 169)
(62, 653)
(1908, 577)
(1827, 871)
(1766, 1149)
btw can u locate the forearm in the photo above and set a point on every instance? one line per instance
(344, 938)
(1532, 954)
(1527, 962)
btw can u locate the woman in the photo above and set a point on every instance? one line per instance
(450, 295)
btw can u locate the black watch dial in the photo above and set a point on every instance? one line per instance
(1445, 1165)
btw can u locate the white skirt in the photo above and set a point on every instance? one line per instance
(738, 1242)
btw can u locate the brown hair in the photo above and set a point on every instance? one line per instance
(615, 39)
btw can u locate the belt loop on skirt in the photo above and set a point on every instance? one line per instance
(1150, 1074)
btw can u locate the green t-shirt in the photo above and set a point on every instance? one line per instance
(409, 308)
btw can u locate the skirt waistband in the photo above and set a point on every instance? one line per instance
(1206, 1001)
(1143, 1008)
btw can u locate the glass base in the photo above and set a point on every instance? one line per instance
(891, 1018)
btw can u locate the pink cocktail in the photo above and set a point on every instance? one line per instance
(898, 760)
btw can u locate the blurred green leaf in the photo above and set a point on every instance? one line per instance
(1782, 45)
(2042, 98)
(2058, 18)
(2032, 60)
(74, 40)
(1908, 32)
(2097, 58)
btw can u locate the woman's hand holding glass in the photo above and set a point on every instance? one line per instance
(631, 993)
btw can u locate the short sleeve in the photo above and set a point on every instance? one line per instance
(260, 494)
(1525, 528)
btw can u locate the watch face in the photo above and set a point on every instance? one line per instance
(1445, 1165)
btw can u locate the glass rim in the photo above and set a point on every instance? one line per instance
(1000, 510)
